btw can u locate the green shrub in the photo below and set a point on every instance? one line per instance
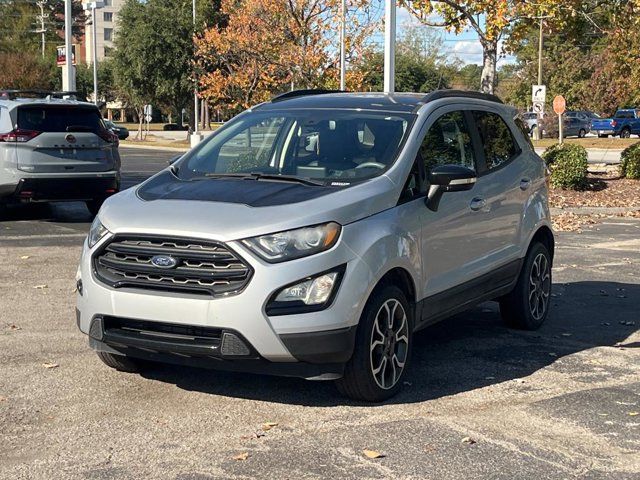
(630, 162)
(568, 165)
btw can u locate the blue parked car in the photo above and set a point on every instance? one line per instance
(624, 123)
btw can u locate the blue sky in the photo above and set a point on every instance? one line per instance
(465, 46)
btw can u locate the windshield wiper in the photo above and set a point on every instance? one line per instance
(267, 176)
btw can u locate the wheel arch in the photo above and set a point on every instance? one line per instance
(545, 236)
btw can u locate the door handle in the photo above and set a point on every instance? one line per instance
(477, 204)
(524, 183)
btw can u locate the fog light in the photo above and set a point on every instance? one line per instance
(233, 346)
(311, 292)
(95, 330)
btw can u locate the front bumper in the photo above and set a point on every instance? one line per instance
(313, 343)
(62, 188)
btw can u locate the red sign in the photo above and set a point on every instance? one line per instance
(559, 105)
(61, 58)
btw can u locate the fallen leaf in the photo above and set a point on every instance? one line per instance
(50, 365)
(468, 440)
(2, 399)
(634, 414)
(24, 257)
(372, 454)
(553, 354)
(268, 426)
(40, 287)
(241, 456)
(13, 326)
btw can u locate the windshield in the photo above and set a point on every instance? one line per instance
(335, 147)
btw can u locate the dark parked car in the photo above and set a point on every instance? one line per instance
(119, 130)
(577, 124)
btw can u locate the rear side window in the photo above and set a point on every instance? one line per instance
(59, 119)
(497, 141)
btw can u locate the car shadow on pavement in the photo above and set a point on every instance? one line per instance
(61, 212)
(463, 353)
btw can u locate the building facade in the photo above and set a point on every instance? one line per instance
(105, 26)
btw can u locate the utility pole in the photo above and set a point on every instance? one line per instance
(343, 47)
(389, 45)
(537, 134)
(43, 29)
(195, 138)
(68, 72)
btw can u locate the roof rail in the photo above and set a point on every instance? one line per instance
(13, 94)
(303, 93)
(445, 93)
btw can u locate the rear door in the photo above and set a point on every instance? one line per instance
(64, 139)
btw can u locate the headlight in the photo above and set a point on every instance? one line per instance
(310, 294)
(96, 232)
(302, 242)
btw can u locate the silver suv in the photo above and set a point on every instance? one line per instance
(313, 235)
(54, 148)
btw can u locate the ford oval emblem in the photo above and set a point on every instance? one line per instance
(164, 261)
(70, 138)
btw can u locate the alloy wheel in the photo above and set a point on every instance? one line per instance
(539, 286)
(389, 344)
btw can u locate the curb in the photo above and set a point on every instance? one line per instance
(155, 147)
(593, 210)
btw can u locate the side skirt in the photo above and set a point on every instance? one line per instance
(467, 295)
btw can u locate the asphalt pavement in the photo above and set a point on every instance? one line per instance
(480, 401)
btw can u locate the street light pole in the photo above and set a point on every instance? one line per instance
(343, 48)
(95, 55)
(195, 88)
(389, 45)
(68, 76)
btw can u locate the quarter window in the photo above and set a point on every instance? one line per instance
(497, 140)
(448, 143)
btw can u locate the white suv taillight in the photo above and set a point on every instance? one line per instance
(19, 135)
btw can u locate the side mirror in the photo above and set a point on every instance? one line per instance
(448, 178)
(173, 160)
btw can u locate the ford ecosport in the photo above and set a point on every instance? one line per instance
(313, 235)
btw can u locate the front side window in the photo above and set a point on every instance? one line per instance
(341, 146)
(448, 143)
(497, 141)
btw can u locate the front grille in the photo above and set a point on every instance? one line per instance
(201, 267)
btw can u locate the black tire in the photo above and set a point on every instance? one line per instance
(359, 381)
(94, 205)
(603, 136)
(518, 308)
(122, 363)
(625, 133)
(582, 133)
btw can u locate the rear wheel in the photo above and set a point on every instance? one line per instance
(527, 306)
(625, 133)
(582, 133)
(383, 348)
(122, 363)
(94, 205)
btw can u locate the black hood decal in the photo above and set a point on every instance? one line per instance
(255, 193)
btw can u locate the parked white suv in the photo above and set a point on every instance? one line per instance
(54, 148)
(314, 234)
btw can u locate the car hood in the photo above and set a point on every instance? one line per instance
(232, 209)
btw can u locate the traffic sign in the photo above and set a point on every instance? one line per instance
(538, 107)
(559, 104)
(538, 93)
(148, 110)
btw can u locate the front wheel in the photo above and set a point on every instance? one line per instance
(527, 306)
(582, 133)
(625, 133)
(383, 347)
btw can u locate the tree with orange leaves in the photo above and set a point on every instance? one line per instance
(269, 46)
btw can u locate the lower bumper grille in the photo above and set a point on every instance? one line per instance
(174, 264)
